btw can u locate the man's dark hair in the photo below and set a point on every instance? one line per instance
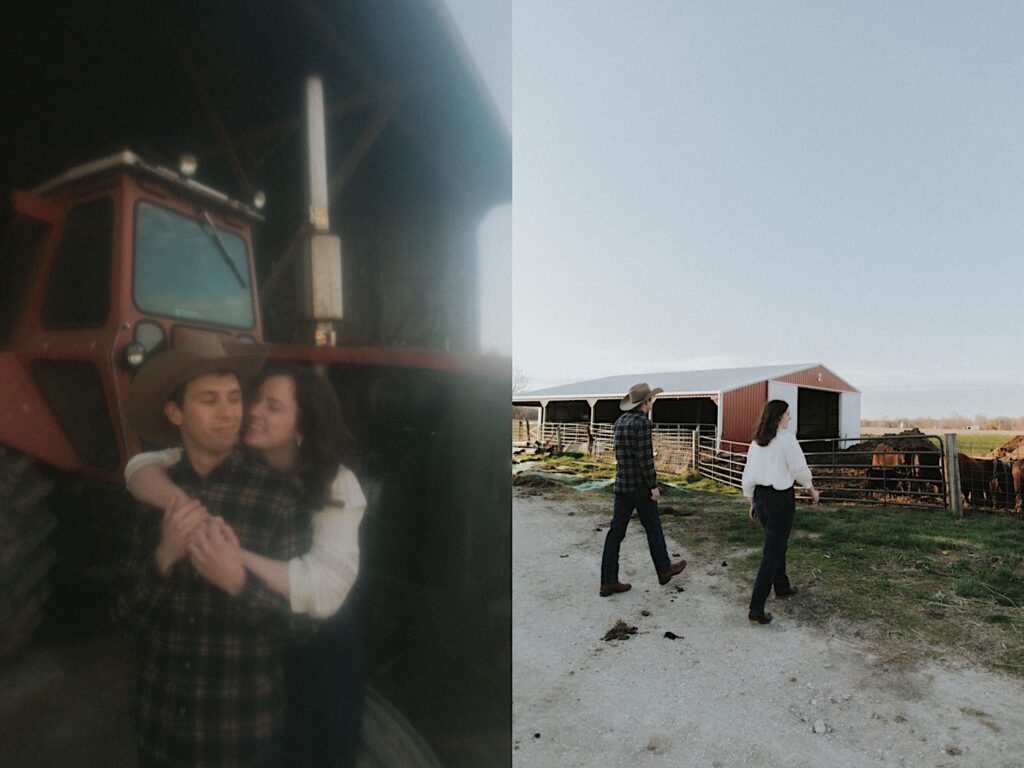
(178, 395)
(768, 425)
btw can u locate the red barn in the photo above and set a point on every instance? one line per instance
(726, 401)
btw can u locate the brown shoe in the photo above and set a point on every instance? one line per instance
(759, 618)
(675, 570)
(611, 589)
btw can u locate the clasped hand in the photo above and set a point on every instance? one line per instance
(210, 544)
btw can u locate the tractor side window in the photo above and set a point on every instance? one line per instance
(20, 246)
(78, 295)
(187, 270)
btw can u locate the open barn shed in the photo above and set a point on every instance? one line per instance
(725, 402)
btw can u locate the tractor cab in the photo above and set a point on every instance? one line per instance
(109, 262)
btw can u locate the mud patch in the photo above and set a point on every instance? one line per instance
(621, 631)
(675, 512)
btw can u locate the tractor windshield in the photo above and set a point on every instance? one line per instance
(185, 270)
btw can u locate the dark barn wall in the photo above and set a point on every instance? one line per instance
(565, 411)
(685, 410)
(607, 411)
(818, 412)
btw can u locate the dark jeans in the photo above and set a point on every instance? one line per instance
(647, 509)
(775, 510)
(326, 681)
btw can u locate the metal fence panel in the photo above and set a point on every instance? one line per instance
(892, 470)
(675, 445)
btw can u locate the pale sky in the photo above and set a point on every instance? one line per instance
(710, 184)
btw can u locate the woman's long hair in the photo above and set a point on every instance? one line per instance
(327, 444)
(768, 425)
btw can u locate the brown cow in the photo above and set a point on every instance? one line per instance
(1016, 472)
(975, 477)
(989, 481)
(927, 468)
(887, 464)
(1005, 485)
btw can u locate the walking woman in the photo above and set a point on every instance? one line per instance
(774, 462)
(293, 424)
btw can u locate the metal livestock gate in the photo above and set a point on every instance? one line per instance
(914, 470)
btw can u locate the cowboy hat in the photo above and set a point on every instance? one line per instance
(157, 380)
(637, 394)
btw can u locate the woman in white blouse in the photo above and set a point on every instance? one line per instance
(293, 423)
(775, 462)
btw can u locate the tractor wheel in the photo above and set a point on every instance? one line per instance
(25, 558)
(389, 740)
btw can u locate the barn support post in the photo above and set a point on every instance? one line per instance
(591, 401)
(956, 498)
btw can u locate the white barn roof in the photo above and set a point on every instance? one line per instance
(674, 383)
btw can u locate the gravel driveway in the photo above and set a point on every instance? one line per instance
(724, 694)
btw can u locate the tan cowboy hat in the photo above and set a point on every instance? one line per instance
(637, 394)
(158, 378)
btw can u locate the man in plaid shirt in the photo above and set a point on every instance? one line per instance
(636, 487)
(208, 633)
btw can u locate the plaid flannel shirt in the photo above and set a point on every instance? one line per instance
(634, 453)
(210, 683)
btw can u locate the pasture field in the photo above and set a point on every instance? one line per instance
(911, 583)
(980, 443)
(969, 441)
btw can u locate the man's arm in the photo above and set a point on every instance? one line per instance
(646, 444)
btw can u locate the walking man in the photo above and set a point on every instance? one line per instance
(636, 487)
(208, 633)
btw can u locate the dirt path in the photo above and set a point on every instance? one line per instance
(726, 694)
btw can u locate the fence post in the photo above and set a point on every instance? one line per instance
(558, 437)
(956, 499)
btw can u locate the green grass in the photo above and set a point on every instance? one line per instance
(913, 579)
(577, 464)
(980, 443)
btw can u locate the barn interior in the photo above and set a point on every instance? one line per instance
(417, 155)
(691, 412)
(696, 411)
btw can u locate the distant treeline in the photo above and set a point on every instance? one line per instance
(981, 421)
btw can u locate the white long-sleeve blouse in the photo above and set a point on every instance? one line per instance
(778, 464)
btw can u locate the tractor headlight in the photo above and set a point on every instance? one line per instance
(134, 354)
(187, 165)
(146, 337)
